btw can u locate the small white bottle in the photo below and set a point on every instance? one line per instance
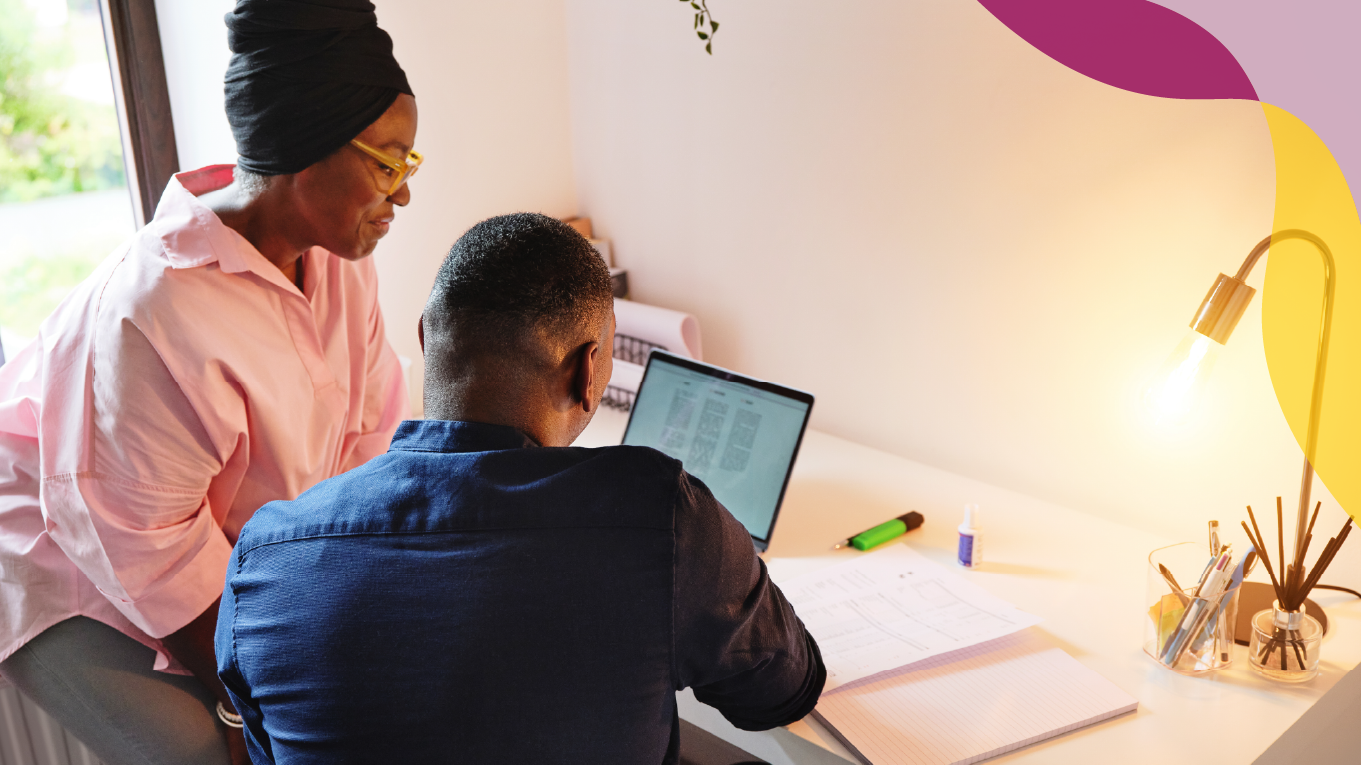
(970, 539)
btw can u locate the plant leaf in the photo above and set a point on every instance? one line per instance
(713, 25)
(709, 47)
(702, 36)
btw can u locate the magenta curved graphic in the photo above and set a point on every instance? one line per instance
(1133, 45)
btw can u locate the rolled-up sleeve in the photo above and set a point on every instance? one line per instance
(738, 641)
(139, 524)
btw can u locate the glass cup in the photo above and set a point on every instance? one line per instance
(1285, 644)
(1169, 636)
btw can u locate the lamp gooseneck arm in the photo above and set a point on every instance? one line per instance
(1252, 259)
(1320, 363)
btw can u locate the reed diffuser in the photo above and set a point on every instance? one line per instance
(1285, 640)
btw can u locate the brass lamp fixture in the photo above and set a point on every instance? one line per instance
(1214, 321)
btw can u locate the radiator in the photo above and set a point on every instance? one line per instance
(29, 737)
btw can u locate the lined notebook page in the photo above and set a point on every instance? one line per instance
(971, 704)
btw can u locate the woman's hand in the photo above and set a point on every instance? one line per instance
(192, 646)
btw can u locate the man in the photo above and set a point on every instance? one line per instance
(483, 593)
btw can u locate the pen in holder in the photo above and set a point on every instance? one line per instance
(1182, 631)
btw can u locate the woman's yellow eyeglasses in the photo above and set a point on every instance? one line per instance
(398, 170)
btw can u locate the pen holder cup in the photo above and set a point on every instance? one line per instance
(1169, 636)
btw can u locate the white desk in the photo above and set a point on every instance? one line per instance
(1083, 575)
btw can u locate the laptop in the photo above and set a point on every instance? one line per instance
(737, 434)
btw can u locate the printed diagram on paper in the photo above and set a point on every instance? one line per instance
(894, 607)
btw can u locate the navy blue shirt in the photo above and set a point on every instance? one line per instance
(471, 597)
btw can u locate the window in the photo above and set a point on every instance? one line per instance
(71, 138)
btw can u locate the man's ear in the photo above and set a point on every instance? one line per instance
(420, 332)
(586, 370)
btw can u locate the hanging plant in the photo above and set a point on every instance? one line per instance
(705, 26)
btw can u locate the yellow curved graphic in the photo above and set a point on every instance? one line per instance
(1312, 194)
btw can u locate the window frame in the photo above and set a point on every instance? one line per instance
(132, 39)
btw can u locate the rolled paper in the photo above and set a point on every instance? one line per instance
(674, 331)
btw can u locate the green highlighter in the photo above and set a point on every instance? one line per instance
(883, 532)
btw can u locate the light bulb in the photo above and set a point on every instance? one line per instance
(1173, 393)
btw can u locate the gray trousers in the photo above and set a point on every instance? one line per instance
(99, 684)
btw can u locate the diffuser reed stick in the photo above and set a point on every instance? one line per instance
(1293, 581)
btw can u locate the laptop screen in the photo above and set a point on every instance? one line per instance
(736, 434)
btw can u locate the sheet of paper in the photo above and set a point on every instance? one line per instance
(893, 607)
(627, 376)
(972, 704)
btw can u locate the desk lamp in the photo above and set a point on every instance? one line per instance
(1183, 374)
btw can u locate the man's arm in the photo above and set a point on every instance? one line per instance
(192, 646)
(738, 641)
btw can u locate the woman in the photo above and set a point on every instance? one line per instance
(230, 354)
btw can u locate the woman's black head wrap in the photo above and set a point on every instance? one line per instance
(306, 76)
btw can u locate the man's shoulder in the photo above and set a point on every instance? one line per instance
(611, 484)
(336, 505)
(640, 463)
(419, 492)
(641, 471)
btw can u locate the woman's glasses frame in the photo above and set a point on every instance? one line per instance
(403, 169)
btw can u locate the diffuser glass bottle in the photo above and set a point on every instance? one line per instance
(1285, 644)
(1285, 640)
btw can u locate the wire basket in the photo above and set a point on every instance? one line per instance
(618, 398)
(634, 350)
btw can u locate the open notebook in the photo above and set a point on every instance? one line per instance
(968, 705)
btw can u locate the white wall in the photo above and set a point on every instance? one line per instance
(491, 87)
(194, 45)
(974, 256)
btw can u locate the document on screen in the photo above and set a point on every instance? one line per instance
(735, 437)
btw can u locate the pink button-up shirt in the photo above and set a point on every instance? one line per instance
(175, 391)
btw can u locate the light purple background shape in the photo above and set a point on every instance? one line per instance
(1301, 55)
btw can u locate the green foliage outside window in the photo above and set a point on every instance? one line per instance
(50, 143)
(31, 286)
